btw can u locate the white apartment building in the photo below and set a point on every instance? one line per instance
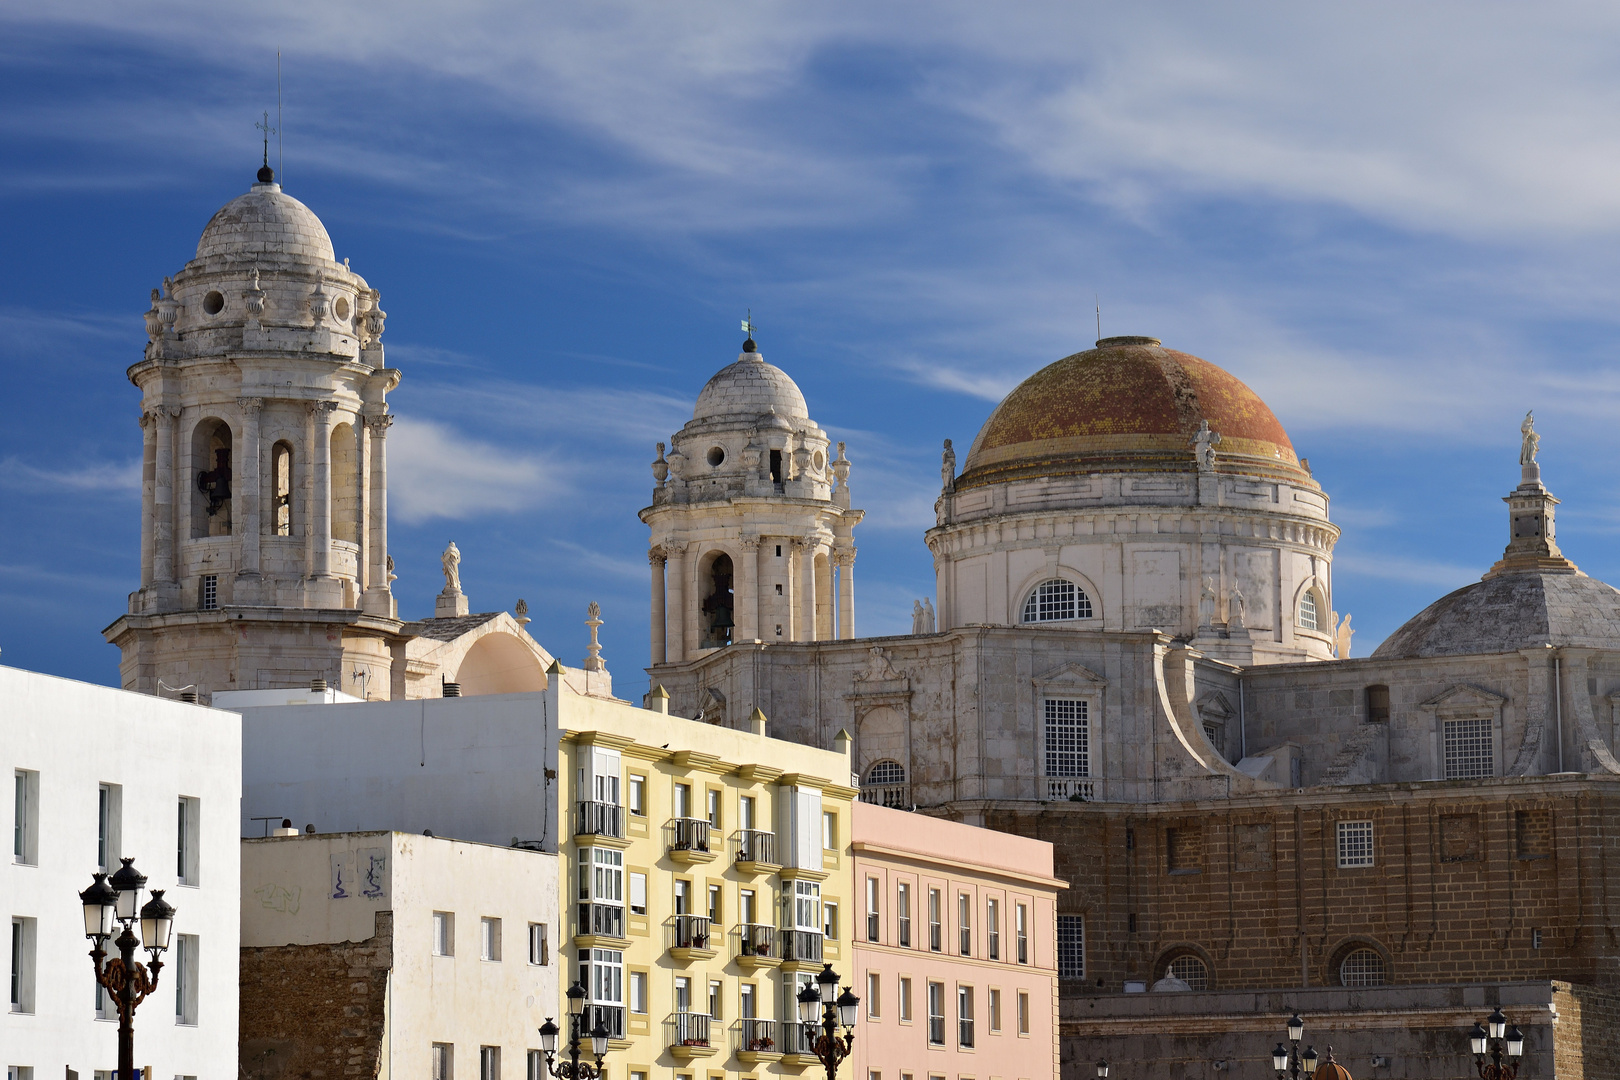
(395, 954)
(98, 774)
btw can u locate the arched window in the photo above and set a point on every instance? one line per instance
(885, 784)
(345, 467)
(281, 489)
(211, 467)
(1307, 611)
(886, 772)
(1363, 967)
(1057, 601)
(717, 606)
(1190, 969)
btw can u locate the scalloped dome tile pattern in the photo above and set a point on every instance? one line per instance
(266, 224)
(1509, 612)
(750, 388)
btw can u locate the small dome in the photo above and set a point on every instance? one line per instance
(750, 388)
(1508, 612)
(1129, 403)
(266, 225)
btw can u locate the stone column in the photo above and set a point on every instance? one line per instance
(379, 596)
(320, 562)
(675, 613)
(826, 604)
(846, 594)
(655, 559)
(805, 615)
(249, 481)
(148, 490)
(163, 509)
(362, 510)
(745, 591)
(762, 602)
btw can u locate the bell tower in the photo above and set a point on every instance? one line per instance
(752, 530)
(264, 483)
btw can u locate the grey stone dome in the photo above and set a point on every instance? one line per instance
(1511, 611)
(750, 388)
(266, 225)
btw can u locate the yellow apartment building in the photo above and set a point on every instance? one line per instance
(705, 873)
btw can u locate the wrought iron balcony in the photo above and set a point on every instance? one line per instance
(598, 819)
(756, 846)
(801, 945)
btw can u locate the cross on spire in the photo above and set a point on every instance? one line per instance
(748, 323)
(264, 126)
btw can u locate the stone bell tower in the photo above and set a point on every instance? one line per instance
(264, 484)
(751, 521)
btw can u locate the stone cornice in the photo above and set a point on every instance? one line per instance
(1128, 521)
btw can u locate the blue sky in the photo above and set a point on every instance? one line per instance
(1398, 225)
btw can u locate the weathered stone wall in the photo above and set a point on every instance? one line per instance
(1588, 1043)
(316, 1011)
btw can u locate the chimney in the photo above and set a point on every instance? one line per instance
(757, 722)
(658, 699)
(317, 686)
(452, 689)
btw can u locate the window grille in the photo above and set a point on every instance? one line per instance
(1071, 944)
(1056, 601)
(1068, 738)
(1468, 751)
(1190, 970)
(1355, 844)
(1364, 967)
(1307, 611)
(210, 592)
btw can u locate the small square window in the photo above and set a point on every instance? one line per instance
(638, 796)
(1355, 844)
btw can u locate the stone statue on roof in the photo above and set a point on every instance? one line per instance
(1204, 443)
(451, 561)
(1531, 442)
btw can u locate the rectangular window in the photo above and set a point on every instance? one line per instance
(873, 921)
(903, 914)
(638, 893)
(25, 817)
(1468, 749)
(936, 1014)
(964, 1016)
(964, 924)
(638, 992)
(1355, 844)
(444, 933)
(992, 928)
(994, 1005)
(601, 890)
(746, 906)
(1071, 946)
(935, 934)
(210, 592)
(714, 808)
(1023, 1012)
(489, 1063)
(443, 1061)
(683, 993)
(537, 1066)
(1021, 917)
(715, 988)
(539, 947)
(807, 905)
(683, 800)
(109, 821)
(22, 964)
(829, 830)
(1068, 738)
(829, 921)
(745, 812)
(601, 973)
(489, 938)
(184, 966)
(748, 1004)
(26, 1072)
(188, 834)
(683, 898)
(905, 999)
(714, 905)
(638, 795)
(874, 1003)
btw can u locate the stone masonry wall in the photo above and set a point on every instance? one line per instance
(1588, 1043)
(316, 1012)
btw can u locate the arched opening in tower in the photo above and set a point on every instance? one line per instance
(211, 461)
(718, 604)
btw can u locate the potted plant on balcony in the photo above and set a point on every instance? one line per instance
(762, 1043)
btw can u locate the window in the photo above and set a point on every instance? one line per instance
(22, 965)
(601, 973)
(188, 833)
(903, 913)
(109, 823)
(489, 938)
(806, 905)
(964, 924)
(745, 812)
(638, 992)
(873, 921)
(281, 481)
(714, 998)
(1021, 918)
(683, 993)
(210, 592)
(714, 904)
(539, 949)
(1189, 969)
(1468, 748)
(24, 821)
(747, 908)
(964, 1016)
(537, 1066)
(683, 800)
(992, 928)
(489, 1063)
(994, 1004)
(829, 830)
(1068, 738)
(746, 1003)
(936, 1014)
(714, 808)
(443, 1061)
(683, 897)
(829, 921)
(1071, 943)
(1057, 601)
(601, 891)
(26, 1072)
(1307, 610)
(905, 999)
(1363, 967)
(886, 772)
(935, 935)
(1377, 704)
(638, 795)
(444, 933)
(874, 1003)
(638, 893)
(185, 968)
(1355, 844)
(1023, 1012)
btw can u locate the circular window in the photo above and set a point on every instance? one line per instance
(820, 461)
(716, 455)
(341, 309)
(1363, 967)
(1190, 970)
(214, 302)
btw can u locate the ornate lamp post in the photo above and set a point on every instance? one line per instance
(836, 1009)
(129, 982)
(1287, 1060)
(1492, 1043)
(573, 1068)
(1102, 1069)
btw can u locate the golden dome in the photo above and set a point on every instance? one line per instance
(1331, 1070)
(1128, 405)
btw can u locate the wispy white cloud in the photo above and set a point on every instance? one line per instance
(1412, 571)
(118, 478)
(434, 471)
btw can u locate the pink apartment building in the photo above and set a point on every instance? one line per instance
(955, 951)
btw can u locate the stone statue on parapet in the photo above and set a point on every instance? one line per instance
(928, 615)
(1206, 603)
(1204, 444)
(947, 467)
(1531, 442)
(451, 561)
(916, 617)
(1236, 608)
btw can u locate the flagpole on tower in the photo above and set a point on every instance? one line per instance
(281, 163)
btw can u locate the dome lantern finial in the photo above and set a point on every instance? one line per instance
(267, 175)
(748, 328)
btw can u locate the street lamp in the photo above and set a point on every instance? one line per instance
(1493, 1042)
(1102, 1069)
(573, 1068)
(1287, 1060)
(119, 901)
(835, 1009)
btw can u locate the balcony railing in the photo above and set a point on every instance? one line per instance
(756, 939)
(795, 1039)
(687, 1029)
(598, 819)
(756, 845)
(894, 795)
(610, 1016)
(688, 834)
(801, 945)
(758, 1036)
(964, 1033)
(604, 920)
(689, 932)
(1070, 788)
